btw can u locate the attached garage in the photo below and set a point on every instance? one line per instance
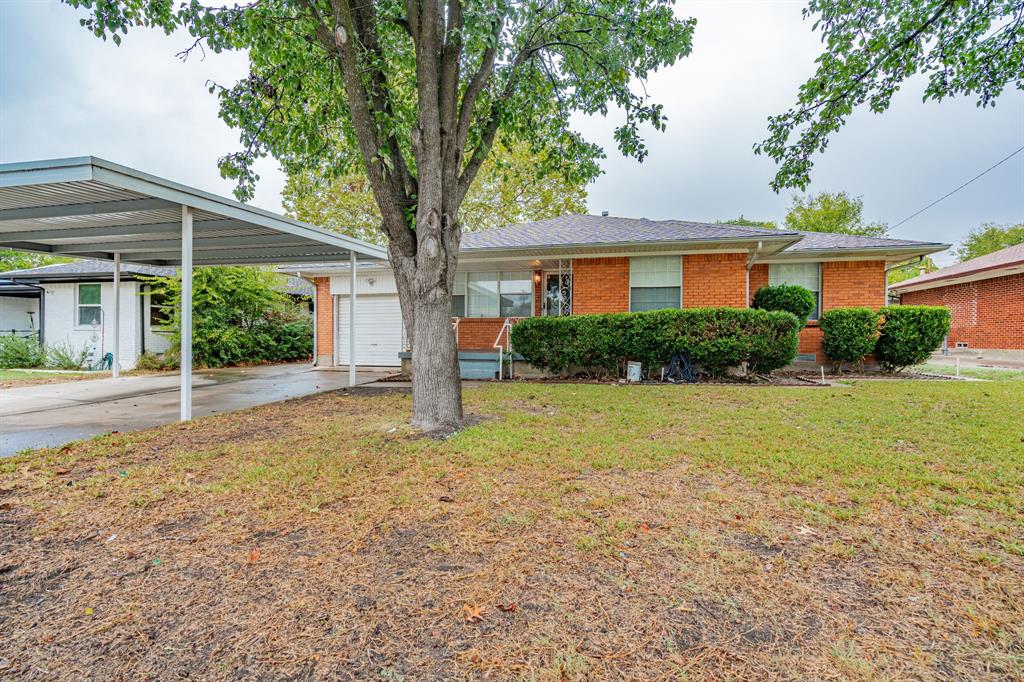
(380, 337)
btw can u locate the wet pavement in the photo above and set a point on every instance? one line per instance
(54, 414)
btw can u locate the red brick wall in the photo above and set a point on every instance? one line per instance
(987, 314)
(852, 283)
(324, 317)
(479, 333)
(600, 285)
(758, 279)
(715, 280)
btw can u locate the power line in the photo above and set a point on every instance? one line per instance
(949, 194)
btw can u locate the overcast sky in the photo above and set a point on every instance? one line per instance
(65, 93)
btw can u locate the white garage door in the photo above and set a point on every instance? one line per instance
(379, 337)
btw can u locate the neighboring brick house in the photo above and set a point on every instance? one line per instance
(985, 296)
(579, 264)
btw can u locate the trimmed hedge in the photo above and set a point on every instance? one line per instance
(715, 338)
(848, 334)
(910, 333)
(789, 297)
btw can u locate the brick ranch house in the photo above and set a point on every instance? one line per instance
(579, 264)
(985, 296)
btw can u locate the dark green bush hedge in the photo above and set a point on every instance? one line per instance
(716, 338)
(21, 352)
(848, 334)
(910, 333)
(789, 297)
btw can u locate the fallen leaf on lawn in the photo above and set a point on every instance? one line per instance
(254, 555)
(88, 610)
(645, 526)
(446, 498)
(509, 607)
(473, 613)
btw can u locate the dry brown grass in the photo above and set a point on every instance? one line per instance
(321, 539)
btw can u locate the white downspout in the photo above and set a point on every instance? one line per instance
(750, 263)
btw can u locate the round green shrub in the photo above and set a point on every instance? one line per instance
(848, 334)
(909, 334)
(715, 338)
(788, 297)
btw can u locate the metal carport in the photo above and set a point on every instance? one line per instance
(85, 207)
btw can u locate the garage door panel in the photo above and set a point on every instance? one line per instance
(379, 337)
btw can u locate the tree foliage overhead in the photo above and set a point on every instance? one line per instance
(871, 47)
(831, 212)
(988, 238)
(747, 222)
(508, 190)
(329, 70)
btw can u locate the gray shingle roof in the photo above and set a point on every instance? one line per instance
(293, 285)
(830, 240)
(591, 229)
(89, 267)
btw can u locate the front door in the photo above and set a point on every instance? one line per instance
(557, 293)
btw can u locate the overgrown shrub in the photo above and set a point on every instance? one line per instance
(148, 362)
(909, 334)
(715, 338)
(66, 356)
(848, 334)
(240, 316)
(17, 352)
(789, 297)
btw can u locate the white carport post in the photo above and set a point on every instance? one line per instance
(115, 364)
(352, 320)
(186, 313)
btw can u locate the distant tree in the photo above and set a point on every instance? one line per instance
(871, 47)
(911, 270)
(20, 260)
(832, 212)
(509, 189)
(746, 222)
(988, 238)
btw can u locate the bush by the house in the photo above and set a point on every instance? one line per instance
(240, 315)
(18, 352)
(789, 297)
(909, 334)
(848, 334)
(66, 356)
(715, 338)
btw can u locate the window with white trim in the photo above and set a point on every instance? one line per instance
(655, 283)
(806, 275)
(493, 294)
(89, 308)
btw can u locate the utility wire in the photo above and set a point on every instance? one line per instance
(949, 194)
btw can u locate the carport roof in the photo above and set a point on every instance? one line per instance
(86, 207)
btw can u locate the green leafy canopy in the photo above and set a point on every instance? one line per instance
(988, 238)
(871, 47)
(550, 60)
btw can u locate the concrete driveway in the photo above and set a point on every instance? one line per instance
(54, 414)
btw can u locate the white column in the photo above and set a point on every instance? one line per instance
(186, 313)
(352, 320)
(115, 364)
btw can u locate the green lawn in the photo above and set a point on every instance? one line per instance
(20, 377)
(573, 532)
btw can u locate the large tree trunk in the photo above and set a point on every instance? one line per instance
(424, 284)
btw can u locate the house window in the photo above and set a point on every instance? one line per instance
(89, 311)
(159, 311)
(655, 283)
(807, 275)
(493, 294)
(459, 296)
